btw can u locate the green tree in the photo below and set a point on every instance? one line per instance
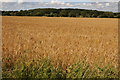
(63, 13)
(95, 14)
(72, 14)
(83, 14)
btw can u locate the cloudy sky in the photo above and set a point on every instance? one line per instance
(102, 5)
(60, 0)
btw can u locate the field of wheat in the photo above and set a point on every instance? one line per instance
(63, 40)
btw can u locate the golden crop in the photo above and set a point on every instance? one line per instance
(64, 40)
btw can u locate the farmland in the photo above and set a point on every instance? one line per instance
(64, 41)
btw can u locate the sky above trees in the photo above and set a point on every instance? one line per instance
(102, 6)
(60, 0)
(111, 5)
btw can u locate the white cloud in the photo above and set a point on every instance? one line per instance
(62, 0)
(99, 4)
(84, 3)
(100, 0)
(57, 2)
(68, 4)
(20, 1)
(107, 4)
(8, 0)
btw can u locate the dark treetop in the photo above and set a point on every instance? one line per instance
(51, 12)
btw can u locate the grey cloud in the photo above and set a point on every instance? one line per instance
(102, 6)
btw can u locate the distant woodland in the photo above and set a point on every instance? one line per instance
(51, 12)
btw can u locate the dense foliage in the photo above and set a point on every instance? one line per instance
(43, 69)
(51, 12)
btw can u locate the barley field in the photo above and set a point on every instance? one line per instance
(64, 41)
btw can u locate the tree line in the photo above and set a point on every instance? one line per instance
(51, 12)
